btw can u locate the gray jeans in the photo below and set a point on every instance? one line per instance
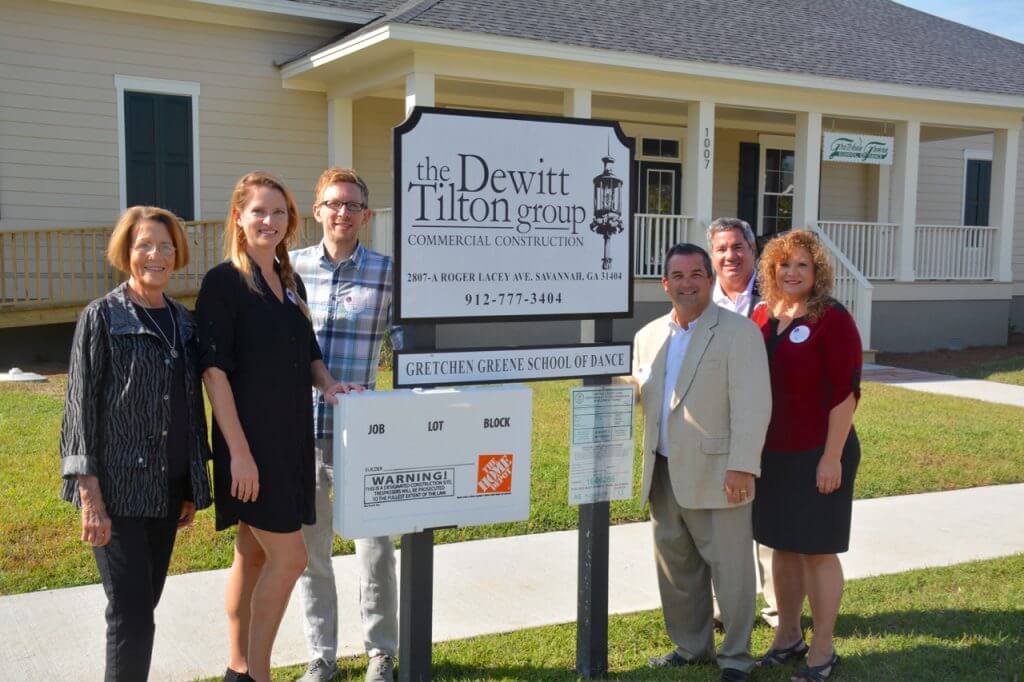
(378, 585)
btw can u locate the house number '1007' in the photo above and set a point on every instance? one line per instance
(707, 148)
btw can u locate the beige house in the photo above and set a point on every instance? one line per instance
(107, 103)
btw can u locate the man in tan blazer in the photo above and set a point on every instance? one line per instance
(702, 374)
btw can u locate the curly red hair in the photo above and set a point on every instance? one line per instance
(777, 251)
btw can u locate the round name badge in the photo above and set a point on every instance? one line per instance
(355, 301)
(800, 334)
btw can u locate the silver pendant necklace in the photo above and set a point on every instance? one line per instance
(172, 343)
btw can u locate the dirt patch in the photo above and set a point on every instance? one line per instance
(945, 361)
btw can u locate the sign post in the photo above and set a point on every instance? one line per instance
(416, 614)
(592, 560)
(503, 217)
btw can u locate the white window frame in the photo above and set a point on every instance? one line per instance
(765, 142)
(675, 179)
(158, 86)
(970, 155)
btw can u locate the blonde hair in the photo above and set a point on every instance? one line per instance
(780, 249)
(234, 235)
(120, 244)
(336, 174)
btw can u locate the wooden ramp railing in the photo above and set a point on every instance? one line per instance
(46, 276)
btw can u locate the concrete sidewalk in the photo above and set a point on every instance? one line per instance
(485, 586)
(944, 384)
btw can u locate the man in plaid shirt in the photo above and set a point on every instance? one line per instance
(349, 295)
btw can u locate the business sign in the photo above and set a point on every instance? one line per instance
(523, 363)
(601, 444)
(405, 460)
(502, 216)
(853, 148)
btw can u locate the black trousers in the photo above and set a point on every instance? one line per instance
(133, 567)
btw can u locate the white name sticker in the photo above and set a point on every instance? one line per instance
(800, 334)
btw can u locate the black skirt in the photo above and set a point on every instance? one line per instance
(790, 514)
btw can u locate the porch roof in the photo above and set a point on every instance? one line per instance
(861, 40)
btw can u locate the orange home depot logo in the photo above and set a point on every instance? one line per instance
(494, 474)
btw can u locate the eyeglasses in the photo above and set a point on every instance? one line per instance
(164, 249)
(352, 206)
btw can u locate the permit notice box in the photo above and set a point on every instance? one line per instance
(409, 460)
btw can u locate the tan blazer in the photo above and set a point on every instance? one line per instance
(721, 404)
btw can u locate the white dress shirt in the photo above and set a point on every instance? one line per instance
(679, 340)
(742, 303)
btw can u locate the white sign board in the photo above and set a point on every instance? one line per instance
(503, 216)
(523, 363)
(601, 451)
(409, 460)
(854, 148)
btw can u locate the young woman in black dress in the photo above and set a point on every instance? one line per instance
(260, 360)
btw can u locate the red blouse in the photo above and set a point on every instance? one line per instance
(814, 366)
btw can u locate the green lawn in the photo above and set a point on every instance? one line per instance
(912, 442)
(959, 623)
(1006, 371)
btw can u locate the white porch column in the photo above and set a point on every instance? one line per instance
(807, 173)
(699, 165)
(1001, 204)
(339, 132)
(577, 103)
(903, 200)
(419, 90)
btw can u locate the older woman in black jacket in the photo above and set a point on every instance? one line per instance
(133, 441)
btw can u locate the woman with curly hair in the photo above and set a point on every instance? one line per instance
(805, 494)
(260, 360)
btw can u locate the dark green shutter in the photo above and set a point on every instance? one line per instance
(977, 190)
(746, 205)
(158, 152)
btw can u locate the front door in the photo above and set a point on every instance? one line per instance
(660, 183)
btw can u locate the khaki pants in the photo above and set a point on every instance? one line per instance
(765, 585)
(693, 549)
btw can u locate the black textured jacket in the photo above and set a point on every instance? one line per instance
(117, 410)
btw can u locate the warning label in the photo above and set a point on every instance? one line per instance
(402, 486)
(494, 474)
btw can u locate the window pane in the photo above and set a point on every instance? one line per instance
(771, 160)
(670, 148)
(785, 181)
(659, 191)
(788, 160)
(651, 147)
(785, 213)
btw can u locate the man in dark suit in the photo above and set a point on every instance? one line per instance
(733, 255)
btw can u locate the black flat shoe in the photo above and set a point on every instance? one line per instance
(674, 659)
(776, 657)
(817, 673)
(235, 676)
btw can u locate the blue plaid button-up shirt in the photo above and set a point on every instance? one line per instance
(350, 303)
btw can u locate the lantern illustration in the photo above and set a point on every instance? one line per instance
(607, 206)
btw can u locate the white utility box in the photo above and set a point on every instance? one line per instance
(408, 460)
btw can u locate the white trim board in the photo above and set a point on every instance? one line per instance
(158, 86)
(298, 9)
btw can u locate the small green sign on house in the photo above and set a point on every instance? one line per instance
(854, 148)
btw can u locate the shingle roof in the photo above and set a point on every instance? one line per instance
(867, 40)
